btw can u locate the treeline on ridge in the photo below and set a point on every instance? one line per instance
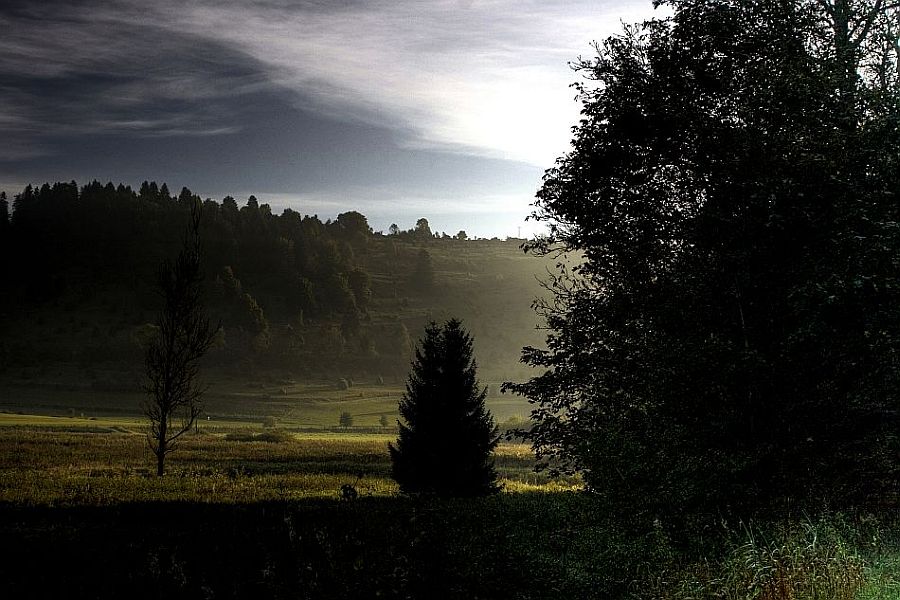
(289, 289)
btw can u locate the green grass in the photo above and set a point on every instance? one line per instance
(812, 560)
(251, 512)
(97, 463)
(227, 403)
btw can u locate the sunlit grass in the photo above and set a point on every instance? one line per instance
(825, 559)
(91, 464)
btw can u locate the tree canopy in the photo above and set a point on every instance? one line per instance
(729, 330)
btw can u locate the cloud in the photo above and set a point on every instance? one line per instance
(83, 69)
(476, 77)
(448, 109)
(484, 77)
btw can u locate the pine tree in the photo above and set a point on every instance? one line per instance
(445, 445)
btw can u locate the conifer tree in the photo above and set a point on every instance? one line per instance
(445, 445)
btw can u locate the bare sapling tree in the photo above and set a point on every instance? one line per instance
(172, 359)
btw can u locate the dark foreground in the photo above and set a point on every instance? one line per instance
(510, 546)
(369, 547)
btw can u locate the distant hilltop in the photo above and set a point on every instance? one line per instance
(295, 295)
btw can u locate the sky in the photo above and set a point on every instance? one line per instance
(447, 109)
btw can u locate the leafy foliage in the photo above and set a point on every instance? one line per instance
(728, 334)
(445, 445)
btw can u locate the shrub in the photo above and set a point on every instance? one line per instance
(277, 436)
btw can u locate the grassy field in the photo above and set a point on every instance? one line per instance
(248, 510)
(251, 512)
(84, 462)
(228, 403)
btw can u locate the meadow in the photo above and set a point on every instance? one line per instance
(100, 463)
(255, 504)
(253, 511)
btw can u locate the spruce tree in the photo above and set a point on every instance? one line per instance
(445, 446)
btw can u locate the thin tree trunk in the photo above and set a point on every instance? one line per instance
(161, 447)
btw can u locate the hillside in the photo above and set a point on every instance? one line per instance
(300, 300)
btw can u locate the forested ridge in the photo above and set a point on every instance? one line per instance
(295, 294)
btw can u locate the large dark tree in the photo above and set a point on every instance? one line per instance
(729, 331)
(447, 438)
(172, 358)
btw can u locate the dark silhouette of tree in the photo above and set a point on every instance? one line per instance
(230, 208)
(447, 436)
(187, 199)
(726, 336)
(462, 235)
(23, 205)
(394, 229)
(247, 326)
(345, 420)
(172, 358)
(4, 212)
(422, 230)
(353, 227)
